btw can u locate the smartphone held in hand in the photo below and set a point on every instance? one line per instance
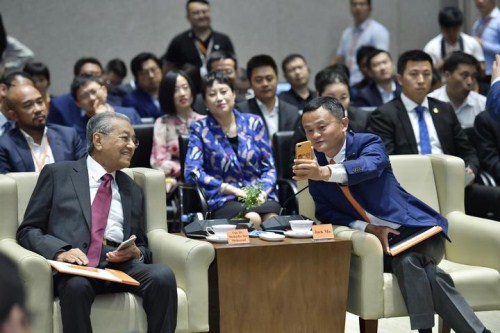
(303, 150)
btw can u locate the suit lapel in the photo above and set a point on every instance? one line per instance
(80, 179)
(56, 146)
(23, 149)
(126, 198)
(404, 120)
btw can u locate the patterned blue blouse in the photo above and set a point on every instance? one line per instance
(211, 157)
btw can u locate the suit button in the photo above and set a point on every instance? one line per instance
(85, 245)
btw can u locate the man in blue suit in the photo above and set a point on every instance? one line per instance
(32, 145)
(359, 161)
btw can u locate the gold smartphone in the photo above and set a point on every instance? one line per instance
(303, 150)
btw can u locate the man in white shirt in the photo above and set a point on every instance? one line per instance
(461, 71)
(365, 31)
(452, 39)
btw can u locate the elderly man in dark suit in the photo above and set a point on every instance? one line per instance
(278, 115)
(417, 124)
(32, 145)
(81, 210)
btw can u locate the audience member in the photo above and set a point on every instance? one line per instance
(365, 31)
(90, 94)
(486, 29)
(195, 45)
(296, 73)
(63, 109)
(225, 62)
(437, 80)
(41, 78)
(13, 54)
(383, 209)
(278, 115)
(229, 150)
(331, 82)
(72, 196)
(417, 124)
(384, 86)
(32, 145)
(114, 74)
(461, 71)
(146, 68)
(452, 39)
(176, 100)
(242, 85)
(362, 60)
(13, 314)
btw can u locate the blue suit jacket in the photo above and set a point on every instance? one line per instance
(143, 103)
(492, 101)
(373, 185)
(15, 154)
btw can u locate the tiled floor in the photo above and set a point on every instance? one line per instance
(491, 319)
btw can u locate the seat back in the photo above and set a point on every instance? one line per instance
(282, 148)
(142, 155)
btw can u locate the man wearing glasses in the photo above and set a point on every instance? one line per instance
(81, 211)
(90, 94)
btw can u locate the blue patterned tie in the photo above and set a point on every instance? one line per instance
(425, 141)
(6, 127)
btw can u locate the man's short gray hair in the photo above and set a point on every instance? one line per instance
(101, 123)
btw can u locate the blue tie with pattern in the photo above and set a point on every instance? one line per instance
(425, 141)
(6, 127)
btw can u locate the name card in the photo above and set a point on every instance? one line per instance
(322, 231)
(238, 236)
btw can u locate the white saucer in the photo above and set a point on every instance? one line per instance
(215, 239)
(293, 234)
(271, 237)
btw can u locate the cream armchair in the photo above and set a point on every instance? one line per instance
(119, 312)
(472, 259)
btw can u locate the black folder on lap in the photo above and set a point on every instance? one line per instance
(410, 236)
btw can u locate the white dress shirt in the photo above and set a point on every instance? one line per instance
(270, 117)
(39, 152)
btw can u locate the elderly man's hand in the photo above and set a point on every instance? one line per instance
(73, 256)
(131, 252)
(310, 169)
(382, 233)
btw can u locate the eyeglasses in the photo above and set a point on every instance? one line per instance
(86, 95)
(124, 138)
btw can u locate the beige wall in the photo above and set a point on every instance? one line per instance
(60, 31)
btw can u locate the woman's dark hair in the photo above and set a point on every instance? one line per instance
(167, 90)
(209, 80)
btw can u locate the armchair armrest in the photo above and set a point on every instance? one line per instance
(189, 259)
(475, 240)
(37, 280)
(366, 277)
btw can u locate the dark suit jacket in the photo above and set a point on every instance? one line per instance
(58, 216)
(15, 154)
(487, 132)
(370, 95)
(143, 103)
(373, 185)
(392, 123)
(288, 113)
(492, 101)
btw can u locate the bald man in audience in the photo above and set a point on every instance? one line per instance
(31, 144)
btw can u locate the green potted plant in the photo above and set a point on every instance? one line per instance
(250, 200)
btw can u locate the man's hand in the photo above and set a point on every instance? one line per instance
(310, 169)
(73, 256)
(469, 176)
(131, 252)
(262, 197)
(382, 233)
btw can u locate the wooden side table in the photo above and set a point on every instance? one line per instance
(297, 285)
